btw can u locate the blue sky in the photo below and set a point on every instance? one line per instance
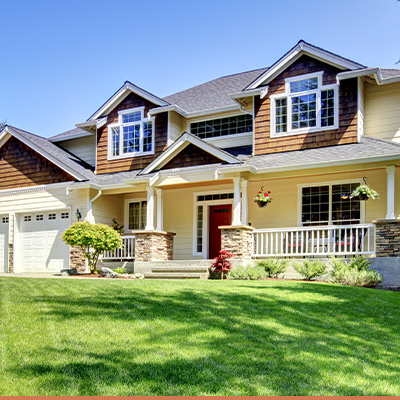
(62, 59)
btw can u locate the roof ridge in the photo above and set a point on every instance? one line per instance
(387, 141)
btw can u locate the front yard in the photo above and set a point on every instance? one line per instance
(114, 337)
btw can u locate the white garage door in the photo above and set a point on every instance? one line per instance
(42, 249)
(3, 243)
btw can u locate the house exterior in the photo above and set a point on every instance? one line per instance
(180, 172)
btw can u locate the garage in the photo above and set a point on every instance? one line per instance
(4, 243)
(40, 246)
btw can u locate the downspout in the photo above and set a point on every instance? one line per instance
(91, 201)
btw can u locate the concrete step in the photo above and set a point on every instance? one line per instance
(175, 275)
(173, 269)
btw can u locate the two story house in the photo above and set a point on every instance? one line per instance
(181, 172)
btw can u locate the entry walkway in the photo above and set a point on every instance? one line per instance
(33, 275)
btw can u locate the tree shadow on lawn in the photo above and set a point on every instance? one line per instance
(249, 342)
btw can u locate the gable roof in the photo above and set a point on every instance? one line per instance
(296, 52)
(71, 134)
(121, 94)
(382, 76)
(213, 95)
(182, 142)
(59, 157)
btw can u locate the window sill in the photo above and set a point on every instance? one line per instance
(130, 155)
(303, 131)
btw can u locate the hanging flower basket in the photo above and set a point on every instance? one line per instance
(364, 192)
(263, 198)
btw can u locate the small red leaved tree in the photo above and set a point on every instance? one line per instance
(222, 265)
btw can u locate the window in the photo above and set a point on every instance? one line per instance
(27, 218)
(52, 216)
(64, 215)
(39, 217)
(137, 215)
(306, 106)
(132, 135)
(199, 244)
(222, 126)
(4, 220)
(323, 205)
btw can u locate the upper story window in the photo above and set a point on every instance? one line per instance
(133, 134)
(222, 126)
(306, 106)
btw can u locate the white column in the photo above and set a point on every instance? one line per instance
(160, 211)
(150, 209)
(236, 202)
(390, 191)
(245, 202)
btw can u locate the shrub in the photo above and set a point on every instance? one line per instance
(221, 265)
(249, 272)
(120, 270)
(354, 272)
(310, 269)
(273, 266)
(93, 239)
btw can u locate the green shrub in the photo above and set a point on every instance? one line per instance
(248, 272)
(93, 239)
(273, 266)
(310, 269)
(354, 272)
(120, 270)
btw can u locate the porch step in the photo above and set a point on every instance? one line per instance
(175, 275)
(178, 269)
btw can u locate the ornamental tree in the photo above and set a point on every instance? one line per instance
(221, 264)
(93, 239)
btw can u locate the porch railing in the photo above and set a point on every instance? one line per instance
(317, 241)
(127, 252)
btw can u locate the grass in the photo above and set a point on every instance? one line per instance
(115, 337)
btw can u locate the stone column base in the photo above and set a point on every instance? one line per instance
(237, 239)
(387, 238)
(10, 258)
(77, 258)
(153, 245)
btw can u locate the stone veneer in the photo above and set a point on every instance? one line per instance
(77, 258)
(153, 245)
(387, 238)
(237, 239)
(10, 258)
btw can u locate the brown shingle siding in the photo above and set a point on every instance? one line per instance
(125, 164)
(347, 131)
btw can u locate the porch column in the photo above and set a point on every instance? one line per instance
(245, 202)
(390, 191)
(160, 209)
(150, 209)
(236, 201)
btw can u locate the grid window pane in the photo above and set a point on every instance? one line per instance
(134, 213)
(328, 107)
(115, 141)
(131, 117)
(222, 126)
(200, 229)
(304, 111)
(303, 85)
(281, 115)
(131, 139)
(147, 136)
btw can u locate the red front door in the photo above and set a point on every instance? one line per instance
(219, 215)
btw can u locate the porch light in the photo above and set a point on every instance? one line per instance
(78, 214)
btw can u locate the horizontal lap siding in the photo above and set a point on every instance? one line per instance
(20, 166)
(160, 132)
(347, 131)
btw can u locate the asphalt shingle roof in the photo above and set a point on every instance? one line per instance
(68, 134)
(215, 93)
(390, 73)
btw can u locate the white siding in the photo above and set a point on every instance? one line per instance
(382, 111)
(177, 125)
(84, 148)
(107, 207)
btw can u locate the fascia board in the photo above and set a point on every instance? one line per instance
(46, 155)
(173, 107)
(77, 136)
(213, 111)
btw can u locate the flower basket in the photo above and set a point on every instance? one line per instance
(364, 192)
(261, 204)
(263, 198)
(363, 196)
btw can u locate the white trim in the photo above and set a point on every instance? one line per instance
(330, 184)
(37, 188)
(120, 125)
(126, 213)
(213, 111)
(77, 136)
(160, 209)
(288, 96)
(121, 94)
(43, 153)
(390, 170)
(375, 72)
(294, 54)
(182, 142)
(237, 201)
(173, 107)
(206, 205)
(360, 108)
(150, 209)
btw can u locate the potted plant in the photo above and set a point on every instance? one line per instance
(364, 192)
(263, 198)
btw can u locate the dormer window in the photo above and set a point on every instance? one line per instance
(306, 106)
(133, 135)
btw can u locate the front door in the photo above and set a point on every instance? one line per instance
(219, 215)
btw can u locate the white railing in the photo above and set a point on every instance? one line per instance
(337, 240)
(127, 252)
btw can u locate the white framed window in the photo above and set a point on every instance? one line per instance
(27, 218)
(329, 203)
(52, 216)
(306, 106)
(64, 215)
(135, 214)
(39, 217)
(133, 135)
(4, 220)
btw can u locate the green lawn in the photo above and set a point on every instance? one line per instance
(115, 337)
